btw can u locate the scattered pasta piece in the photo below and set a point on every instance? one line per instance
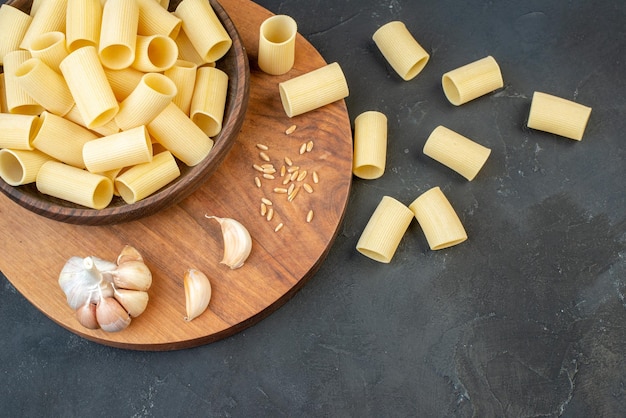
(558, 116)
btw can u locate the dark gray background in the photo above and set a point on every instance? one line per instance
(526, 318)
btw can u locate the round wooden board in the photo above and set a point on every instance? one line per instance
(34, 248)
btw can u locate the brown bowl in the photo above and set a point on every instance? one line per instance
(235, 64)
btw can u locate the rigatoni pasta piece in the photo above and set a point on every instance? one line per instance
(204, 29)
(313, 90)
(405, 55)
(558, 116)
(62, 139)
(123, 149)
(186, 50)
(142, 180)
(384, 230)
(35, 6)
(84, 20)
(118, 33)
(18, 100)
(107, 129)
(18, 131)
(50, 48)
(155, 53)
(209, 100)
(74, 185)
(183, 75)
(87, 81)
(437, 218)
(154, 19)
(177, 133)
(13, 26)
(153, 93)
(472, 80)
(47, 87)
(3, 96)
(277, 44)
(370, 145)
(50, 17)
(457, 152)
(18, 167)
(123, 82)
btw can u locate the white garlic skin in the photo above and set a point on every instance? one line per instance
(111, 316)
(81, 280)
(237, 242)
(197, 293)
(129, 253)
(86, 315)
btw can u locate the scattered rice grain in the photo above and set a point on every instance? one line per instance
(291, 129)
(303, 148)
(278, 227)
(257, 167)
(264, 156)
(280, 190)
(257, 181)
(290, 189)
(268, 176)
(269, 170)
(266, 201)
(309, 216)
(288, 161)
(294, 175)
(283, 170)
(270, 214)
(293, 168)
(309, 146)
(307, 187)
(302, 175)
(316, 178)
(263, 209)
(293, 194)
(287, 180)
(262, 147)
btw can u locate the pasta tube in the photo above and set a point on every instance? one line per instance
(45, 86)
(183, 74)
(13, 26)
(108, 129)
(186, 50)
(50, 17)
(370, 145)
(472, 80)
(154, 19)
(123, 82)
(154, 92)
(19, 167)
(457, 152)
(123, 149)
(405, 55)
(118, 34)
(142, 180)
(3, 96)
(313, 90)
(74, 185)
(277, 43)
(87, 81)
(62, 139)
(209, 100)
(384, 231)
(50, 48)
(178, 134)
(155, 53)
(440, 223)
(204, 29)
(558, 116)
(84, 20)
(18, 100)
(17, 131)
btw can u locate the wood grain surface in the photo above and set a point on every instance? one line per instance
(35, 248)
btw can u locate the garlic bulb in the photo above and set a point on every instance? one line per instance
(105, 294)
(237, 241)
(197, 293)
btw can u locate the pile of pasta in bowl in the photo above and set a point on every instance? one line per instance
(113, 111)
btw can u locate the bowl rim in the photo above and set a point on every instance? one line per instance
(173, 193)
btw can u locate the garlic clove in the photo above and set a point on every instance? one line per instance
(237, 241)
(111, 316)
(134, 301)
(129, 253)
(197, 293)
(133, 275)
(86, 315)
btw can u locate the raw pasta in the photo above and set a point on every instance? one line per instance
(313, 90)
(19, 167)
(384, 231)
(18, 100)
(277, 43)
(405, 55)
(558, 116)
(177, 133)
(155, 53)
(50, 17)
(183, 74)
(457, 152)
(370, 145)
(142, 180)
(123, 149)
(50, 48)
(118, 34)
(186, 50)
(472, 80)
(440, 223)
(209, 100)
(3, 96)
(17, 131)
(13, 26)
(123, 82)
(204, 29)
(45, 86)
(74, 185)
(84, 20)
(153, 93)
(156, 20)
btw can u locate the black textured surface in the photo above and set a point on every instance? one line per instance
(526, 318)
